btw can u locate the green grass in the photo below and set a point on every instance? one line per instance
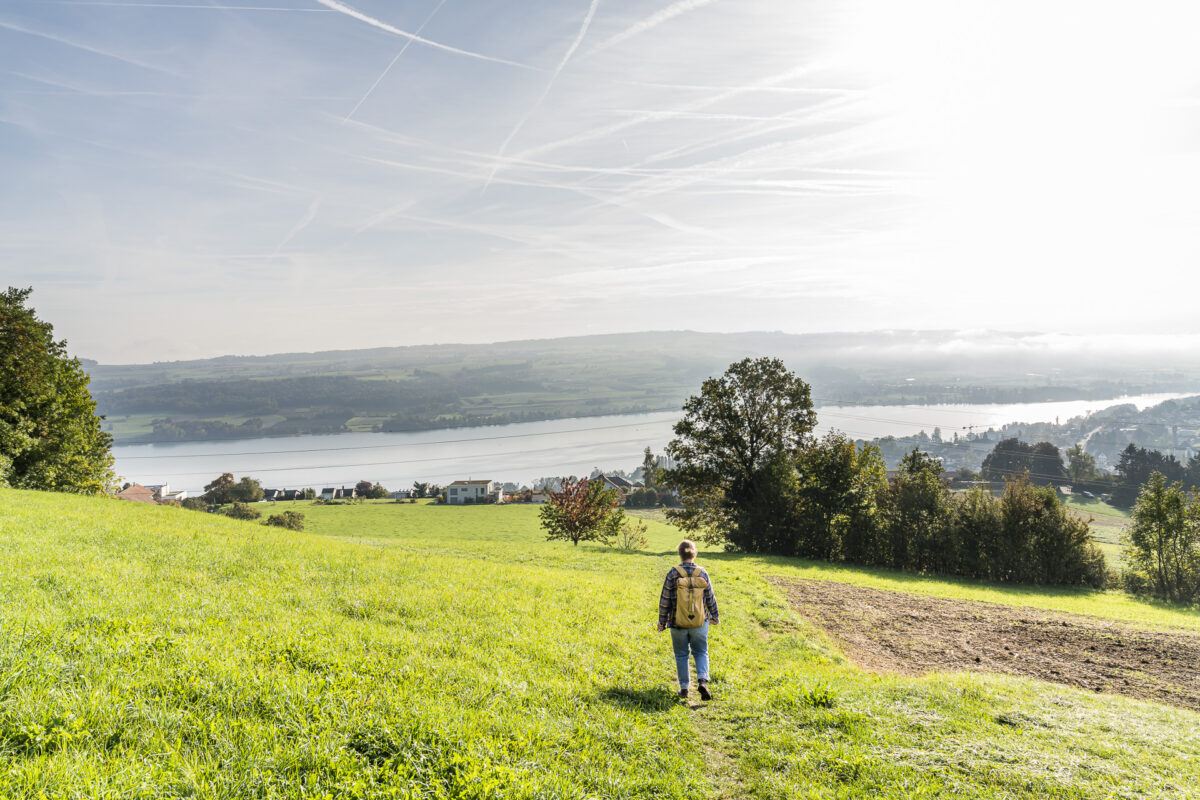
(1097, 508)
(1108, 525)
(409, 650)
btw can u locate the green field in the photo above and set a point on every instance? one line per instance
(400, 650)
(1108, 525)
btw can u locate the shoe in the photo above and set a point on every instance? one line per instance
(705, 694)
(683, 694)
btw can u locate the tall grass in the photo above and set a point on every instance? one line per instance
(412, 651)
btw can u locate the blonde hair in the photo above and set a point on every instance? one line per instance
(687, 550)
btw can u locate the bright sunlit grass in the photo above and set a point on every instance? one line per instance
(400, 650)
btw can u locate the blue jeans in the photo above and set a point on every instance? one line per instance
(697, 639)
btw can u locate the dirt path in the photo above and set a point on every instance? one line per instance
(909, 633)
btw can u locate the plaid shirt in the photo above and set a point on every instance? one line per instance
(666, 603)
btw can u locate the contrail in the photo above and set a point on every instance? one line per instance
(652, 21)
(388, 69)
(383, 26)
(299, 226)
(587, 21)
(88, 48)
(111, 4)
(608, 130)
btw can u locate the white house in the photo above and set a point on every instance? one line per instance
(162, 492)
(461, 492)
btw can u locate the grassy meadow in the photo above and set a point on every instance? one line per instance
(1108, 526)
(415, 651)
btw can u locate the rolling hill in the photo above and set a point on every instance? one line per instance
(414, 651)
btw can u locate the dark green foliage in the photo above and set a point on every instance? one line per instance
(1136, 466)
(734, 449)
(218, 490)
(839, 489)
(752, 478)
(1047, 544)
(642, 498)
(247, 490)
(292, 520)
(224, 489)
(916, 515)
(241, 511)
(1025, 536)
(1163, 555)
(50, 436)
(819, 696)
(195, 503)
(1011, 458)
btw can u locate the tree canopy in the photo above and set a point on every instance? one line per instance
(50, 435)
(1012, 458)
(582, 510)
(1163, 553)
(734, 450)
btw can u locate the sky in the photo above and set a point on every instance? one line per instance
(189, 179)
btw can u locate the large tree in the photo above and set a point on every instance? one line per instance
(1012, 458)
(734, 453)
(50, 435)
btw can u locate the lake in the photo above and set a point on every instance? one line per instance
(525, 451)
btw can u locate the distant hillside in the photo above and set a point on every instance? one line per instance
(435, 386)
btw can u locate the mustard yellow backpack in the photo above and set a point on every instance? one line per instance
(689, 599)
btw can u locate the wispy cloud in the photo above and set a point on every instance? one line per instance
(300, 225)
(206, 6)
(342, 8)
(583, 29)
(63, 40)
(651, 22)
(607, 131)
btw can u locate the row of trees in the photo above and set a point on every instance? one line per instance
(1044, 465)
(752, 477)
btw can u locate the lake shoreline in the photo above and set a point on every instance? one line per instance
(518, 452)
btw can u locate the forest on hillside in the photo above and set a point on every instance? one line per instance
(438, 386)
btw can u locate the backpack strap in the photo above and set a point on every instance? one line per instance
(696, 569)
(683, 573)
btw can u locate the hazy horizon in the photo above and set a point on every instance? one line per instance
(983, 346)
(192, 179)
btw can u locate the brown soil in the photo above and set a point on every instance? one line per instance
(915, 634)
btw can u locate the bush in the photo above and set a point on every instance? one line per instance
(1163, 555)
(292, 520)
(1045, 542)
(631, 535)
(241, 511)
(642, 498)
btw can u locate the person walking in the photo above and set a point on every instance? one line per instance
(687, 606)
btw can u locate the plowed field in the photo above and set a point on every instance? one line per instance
(914, 634)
